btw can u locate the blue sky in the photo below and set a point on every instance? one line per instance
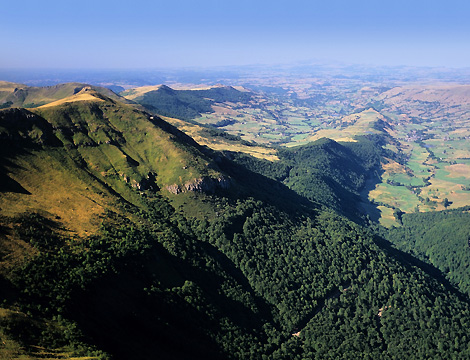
(182, 33)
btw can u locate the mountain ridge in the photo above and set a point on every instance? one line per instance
(19, 95)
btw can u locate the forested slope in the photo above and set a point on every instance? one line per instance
(324, 171)
(122, 238)
(441, 238)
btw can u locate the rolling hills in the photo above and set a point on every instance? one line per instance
(19, 95)
(424, 126)
(184, 104)
(122, 237)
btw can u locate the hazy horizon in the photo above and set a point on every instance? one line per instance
(179, 34)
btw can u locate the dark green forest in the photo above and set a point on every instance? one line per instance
(236, 287)
(441, 238)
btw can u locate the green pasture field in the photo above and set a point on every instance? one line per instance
(407, 180)
(387, 218)
(396, 196)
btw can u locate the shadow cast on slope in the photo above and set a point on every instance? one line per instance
(7, 184)
(125, 316)
(260, 187)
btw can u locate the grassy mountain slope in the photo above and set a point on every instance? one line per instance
(118, 146)
(236, 266)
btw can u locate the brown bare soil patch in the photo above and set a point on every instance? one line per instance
(458, 170)
(392, 167)
(224, 110)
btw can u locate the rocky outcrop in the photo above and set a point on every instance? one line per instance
(204, 184)
(174, 189)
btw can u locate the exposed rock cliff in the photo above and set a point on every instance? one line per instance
(204, 184)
